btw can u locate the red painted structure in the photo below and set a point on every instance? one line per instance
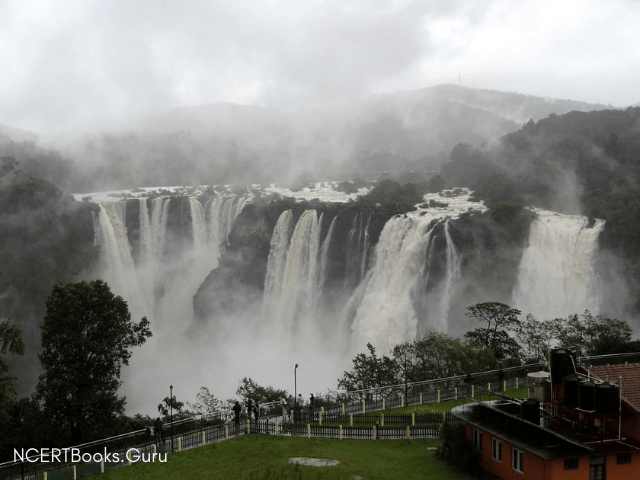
(567, 442)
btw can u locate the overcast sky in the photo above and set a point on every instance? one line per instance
(71, 64)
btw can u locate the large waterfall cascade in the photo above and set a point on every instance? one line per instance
(295, 270)
(138, 282)
(557, 275)
(392, 291)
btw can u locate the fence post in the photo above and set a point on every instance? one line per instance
(455, 391)
(444, 417)
(373, 432)
(382, 419)
(504, 386)
(438, 396)
(277, 428)
(340, 432)
(401, 401)
(420, 398)
(343, 408)
(363, 407)
(516, 382)
(383, 403)
(248, 426)
(308, 430)
(101, 468)
(226, 432)
(44, 475)
(408, 432)
(320, 418)
(351, 419)
(472, 391)
(413, 419)
(489, 386)
(74, 471)
(203, 438)
(155, 448)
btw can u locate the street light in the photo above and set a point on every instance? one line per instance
(171, 407)
(295, 393)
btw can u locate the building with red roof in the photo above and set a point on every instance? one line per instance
(577, 424)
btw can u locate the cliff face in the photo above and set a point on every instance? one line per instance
(240, 277)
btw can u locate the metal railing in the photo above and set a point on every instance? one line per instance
(196, 431)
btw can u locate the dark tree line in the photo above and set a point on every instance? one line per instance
(503, 340)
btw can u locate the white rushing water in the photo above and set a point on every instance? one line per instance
(299, 284)
(392, 305)
(557, 274)
(390, 294)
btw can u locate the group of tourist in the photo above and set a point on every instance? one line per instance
(253, 410)
(291, 408)
(295, 406)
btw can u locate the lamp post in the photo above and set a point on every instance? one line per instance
(295, 393)
(171, 407)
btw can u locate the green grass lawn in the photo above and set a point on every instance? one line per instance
(266, 457)
(449, 404)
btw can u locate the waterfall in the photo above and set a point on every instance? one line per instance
(152, 276)
(221, 213)
(199, 225)
(292, 298)
(357, 250)
(324, 256)
(451, 279)
(276, 262)
(159, 214)
(146, 233)
(557, 274)
(118, 265)
(386, 315)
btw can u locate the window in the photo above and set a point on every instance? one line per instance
(477, 439)
(517, 460)
(596, 468)
(496, 449)
(570, 463)
(624, 458)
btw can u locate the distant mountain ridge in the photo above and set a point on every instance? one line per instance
(513, 106)
(229, 143)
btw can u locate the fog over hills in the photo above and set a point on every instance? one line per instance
(229, 143)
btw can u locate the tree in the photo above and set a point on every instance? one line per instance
(8, 164)
(437, 355)
(250, 390)
(10, 341)
(500, 320)
(87, 336)
(173, 407)
(536, 338)
(370, 371)
(207, 404)
(598, 335)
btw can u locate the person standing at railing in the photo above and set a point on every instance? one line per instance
(256, 411)
(311, 406)
(299, 406)
(291, 403)
(284, 405)
(236, 410)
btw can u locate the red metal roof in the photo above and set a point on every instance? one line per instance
(630, 383)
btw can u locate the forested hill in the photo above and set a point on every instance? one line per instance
(513, 106)
(45, 237)
(580, 162)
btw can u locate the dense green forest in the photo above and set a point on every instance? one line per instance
(580, 162)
